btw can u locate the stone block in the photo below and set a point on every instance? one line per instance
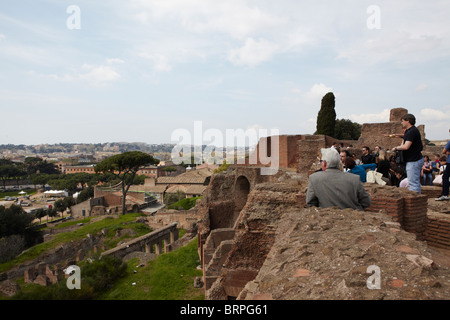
(42, 280)
(396, 114)
(29, 275)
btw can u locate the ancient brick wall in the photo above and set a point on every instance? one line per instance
(372, 134)
(431, 191)
(393, 207)
(184, 218)
(308, 150)
(404, 206)
(287, 150)
(438, 232)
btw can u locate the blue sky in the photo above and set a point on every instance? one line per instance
(139, 70)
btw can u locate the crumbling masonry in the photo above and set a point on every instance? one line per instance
(241, 209)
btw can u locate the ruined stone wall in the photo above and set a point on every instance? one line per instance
(235, 258)
(234, 261)
(372, 134)
(308, 151)
(252, 239)
(184, 218)
(65, 254)
(329, 254)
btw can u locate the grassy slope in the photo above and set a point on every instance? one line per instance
(169, 277)
(112, 224)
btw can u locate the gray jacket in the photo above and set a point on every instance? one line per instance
(334, 188)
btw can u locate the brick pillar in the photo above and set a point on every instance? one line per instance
(438, 233)
(415, 215)
(393, 207)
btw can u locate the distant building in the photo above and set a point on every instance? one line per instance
(109, 201)
(150, 171)
(192, 183)
(80, 169)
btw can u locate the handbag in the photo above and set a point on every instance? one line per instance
(375, 177)
(400, 158)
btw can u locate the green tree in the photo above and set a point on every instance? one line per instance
(40, 213)
(14, 220)
(125, 166)
(37, 165)
(347, 130)
(10, 172)
(326, 119)
(52, 213)
(86, 194)
(41, 179)
(62, 204)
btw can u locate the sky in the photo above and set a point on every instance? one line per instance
(140, 71)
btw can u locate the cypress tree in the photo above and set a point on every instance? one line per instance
(326, 119)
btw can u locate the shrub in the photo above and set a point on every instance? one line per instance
(171, 198)
(10, 247)
(186, 204)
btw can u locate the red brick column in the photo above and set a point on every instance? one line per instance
(438, 233)
(415, 215)
(393, 207)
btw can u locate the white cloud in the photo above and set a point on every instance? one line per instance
(235, 18)
(428, 114)
(114, 60)
(160, 62)
(97, 75)
(311, 97)
(436, 122)
(253, 52)
(421, 87)
(317, 92)
(383, 116)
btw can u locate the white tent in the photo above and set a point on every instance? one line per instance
(56, 193)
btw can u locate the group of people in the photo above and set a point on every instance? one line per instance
(331, 186)
(432, 169)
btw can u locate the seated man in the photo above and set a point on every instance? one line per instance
(366, 157)
(333, 188)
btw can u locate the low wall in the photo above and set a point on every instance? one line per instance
(438, 231)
